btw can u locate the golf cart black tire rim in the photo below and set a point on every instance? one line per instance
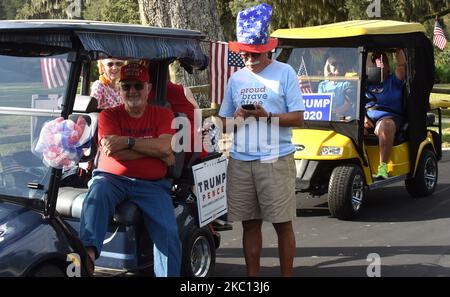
(430, 173)
(357, 192)
(201, 256)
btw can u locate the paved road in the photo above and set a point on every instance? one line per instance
(411, 236)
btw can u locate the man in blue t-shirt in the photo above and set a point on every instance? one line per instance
(386, 114)
(265, 94)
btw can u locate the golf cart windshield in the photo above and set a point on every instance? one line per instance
(329, 80)
(31, 94)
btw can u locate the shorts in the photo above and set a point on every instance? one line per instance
(398, 123)
(257, 190)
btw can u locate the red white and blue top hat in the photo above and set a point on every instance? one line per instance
(252, 26)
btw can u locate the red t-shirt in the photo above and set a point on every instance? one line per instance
(154, 122)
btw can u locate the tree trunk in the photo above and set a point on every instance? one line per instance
(198, 15)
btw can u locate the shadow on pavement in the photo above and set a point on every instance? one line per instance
(341, 266)
(392, 204)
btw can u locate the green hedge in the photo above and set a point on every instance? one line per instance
(442, 67)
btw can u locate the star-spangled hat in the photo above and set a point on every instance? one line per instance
(252, 26)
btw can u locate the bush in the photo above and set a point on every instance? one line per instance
(442, 66)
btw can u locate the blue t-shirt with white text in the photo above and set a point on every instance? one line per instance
(277, 90)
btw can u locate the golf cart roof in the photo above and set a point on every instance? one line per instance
(96, 26)
(111, 39)
(350, 29)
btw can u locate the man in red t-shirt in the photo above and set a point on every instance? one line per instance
(135, 150)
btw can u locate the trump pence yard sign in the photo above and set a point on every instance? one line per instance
(210, 185)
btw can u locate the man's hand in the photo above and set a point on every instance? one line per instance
(113, 143)
(367, 123)
(258, 112)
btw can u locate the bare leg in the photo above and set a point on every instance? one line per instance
(286, 247)
(252, 242)
(386, 136)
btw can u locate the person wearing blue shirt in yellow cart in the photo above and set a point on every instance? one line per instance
(343, 91)
(261, 183)
(385, 116)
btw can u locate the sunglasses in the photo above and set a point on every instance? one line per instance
(111, 64)
(248, 55)
(336, 64)
(128, 86)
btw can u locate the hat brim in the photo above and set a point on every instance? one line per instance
(237, 47)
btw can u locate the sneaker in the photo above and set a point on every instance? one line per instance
(382, 171)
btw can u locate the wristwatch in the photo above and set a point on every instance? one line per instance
(131, 142)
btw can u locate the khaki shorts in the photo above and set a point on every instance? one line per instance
(257, 190)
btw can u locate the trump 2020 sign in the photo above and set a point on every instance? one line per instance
(317, 106)
(210, 179)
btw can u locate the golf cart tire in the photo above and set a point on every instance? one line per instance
(340, 191)
(201, 239)
(417, 186)
(48, 270)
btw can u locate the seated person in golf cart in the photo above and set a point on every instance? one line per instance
(343, 91)
(106, 88)
(134, 137)
(385, 115)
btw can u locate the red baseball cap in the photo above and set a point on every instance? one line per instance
(134, 71)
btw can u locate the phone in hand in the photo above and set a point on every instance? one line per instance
(248, 106)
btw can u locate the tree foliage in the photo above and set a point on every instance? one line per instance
(286, 13)
(43, 9)
(9, 8)
(401, 10)
(121, 11)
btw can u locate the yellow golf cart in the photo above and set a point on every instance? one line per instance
(333, 154)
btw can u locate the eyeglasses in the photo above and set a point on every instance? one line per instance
(336, 64)
(128, 86)
(248, 55)
(111, 64)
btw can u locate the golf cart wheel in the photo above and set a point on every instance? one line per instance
(425, 181)
(345, 191)
(199, 254)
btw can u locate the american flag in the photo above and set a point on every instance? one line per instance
(54, 72)
(305, 85)
(439, 38)
(223, 64)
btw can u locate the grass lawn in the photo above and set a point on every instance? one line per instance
(445, 134)
(442, 86)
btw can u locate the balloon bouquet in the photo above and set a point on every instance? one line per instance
(62, 143)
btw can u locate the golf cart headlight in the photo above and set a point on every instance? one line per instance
(330, 150)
